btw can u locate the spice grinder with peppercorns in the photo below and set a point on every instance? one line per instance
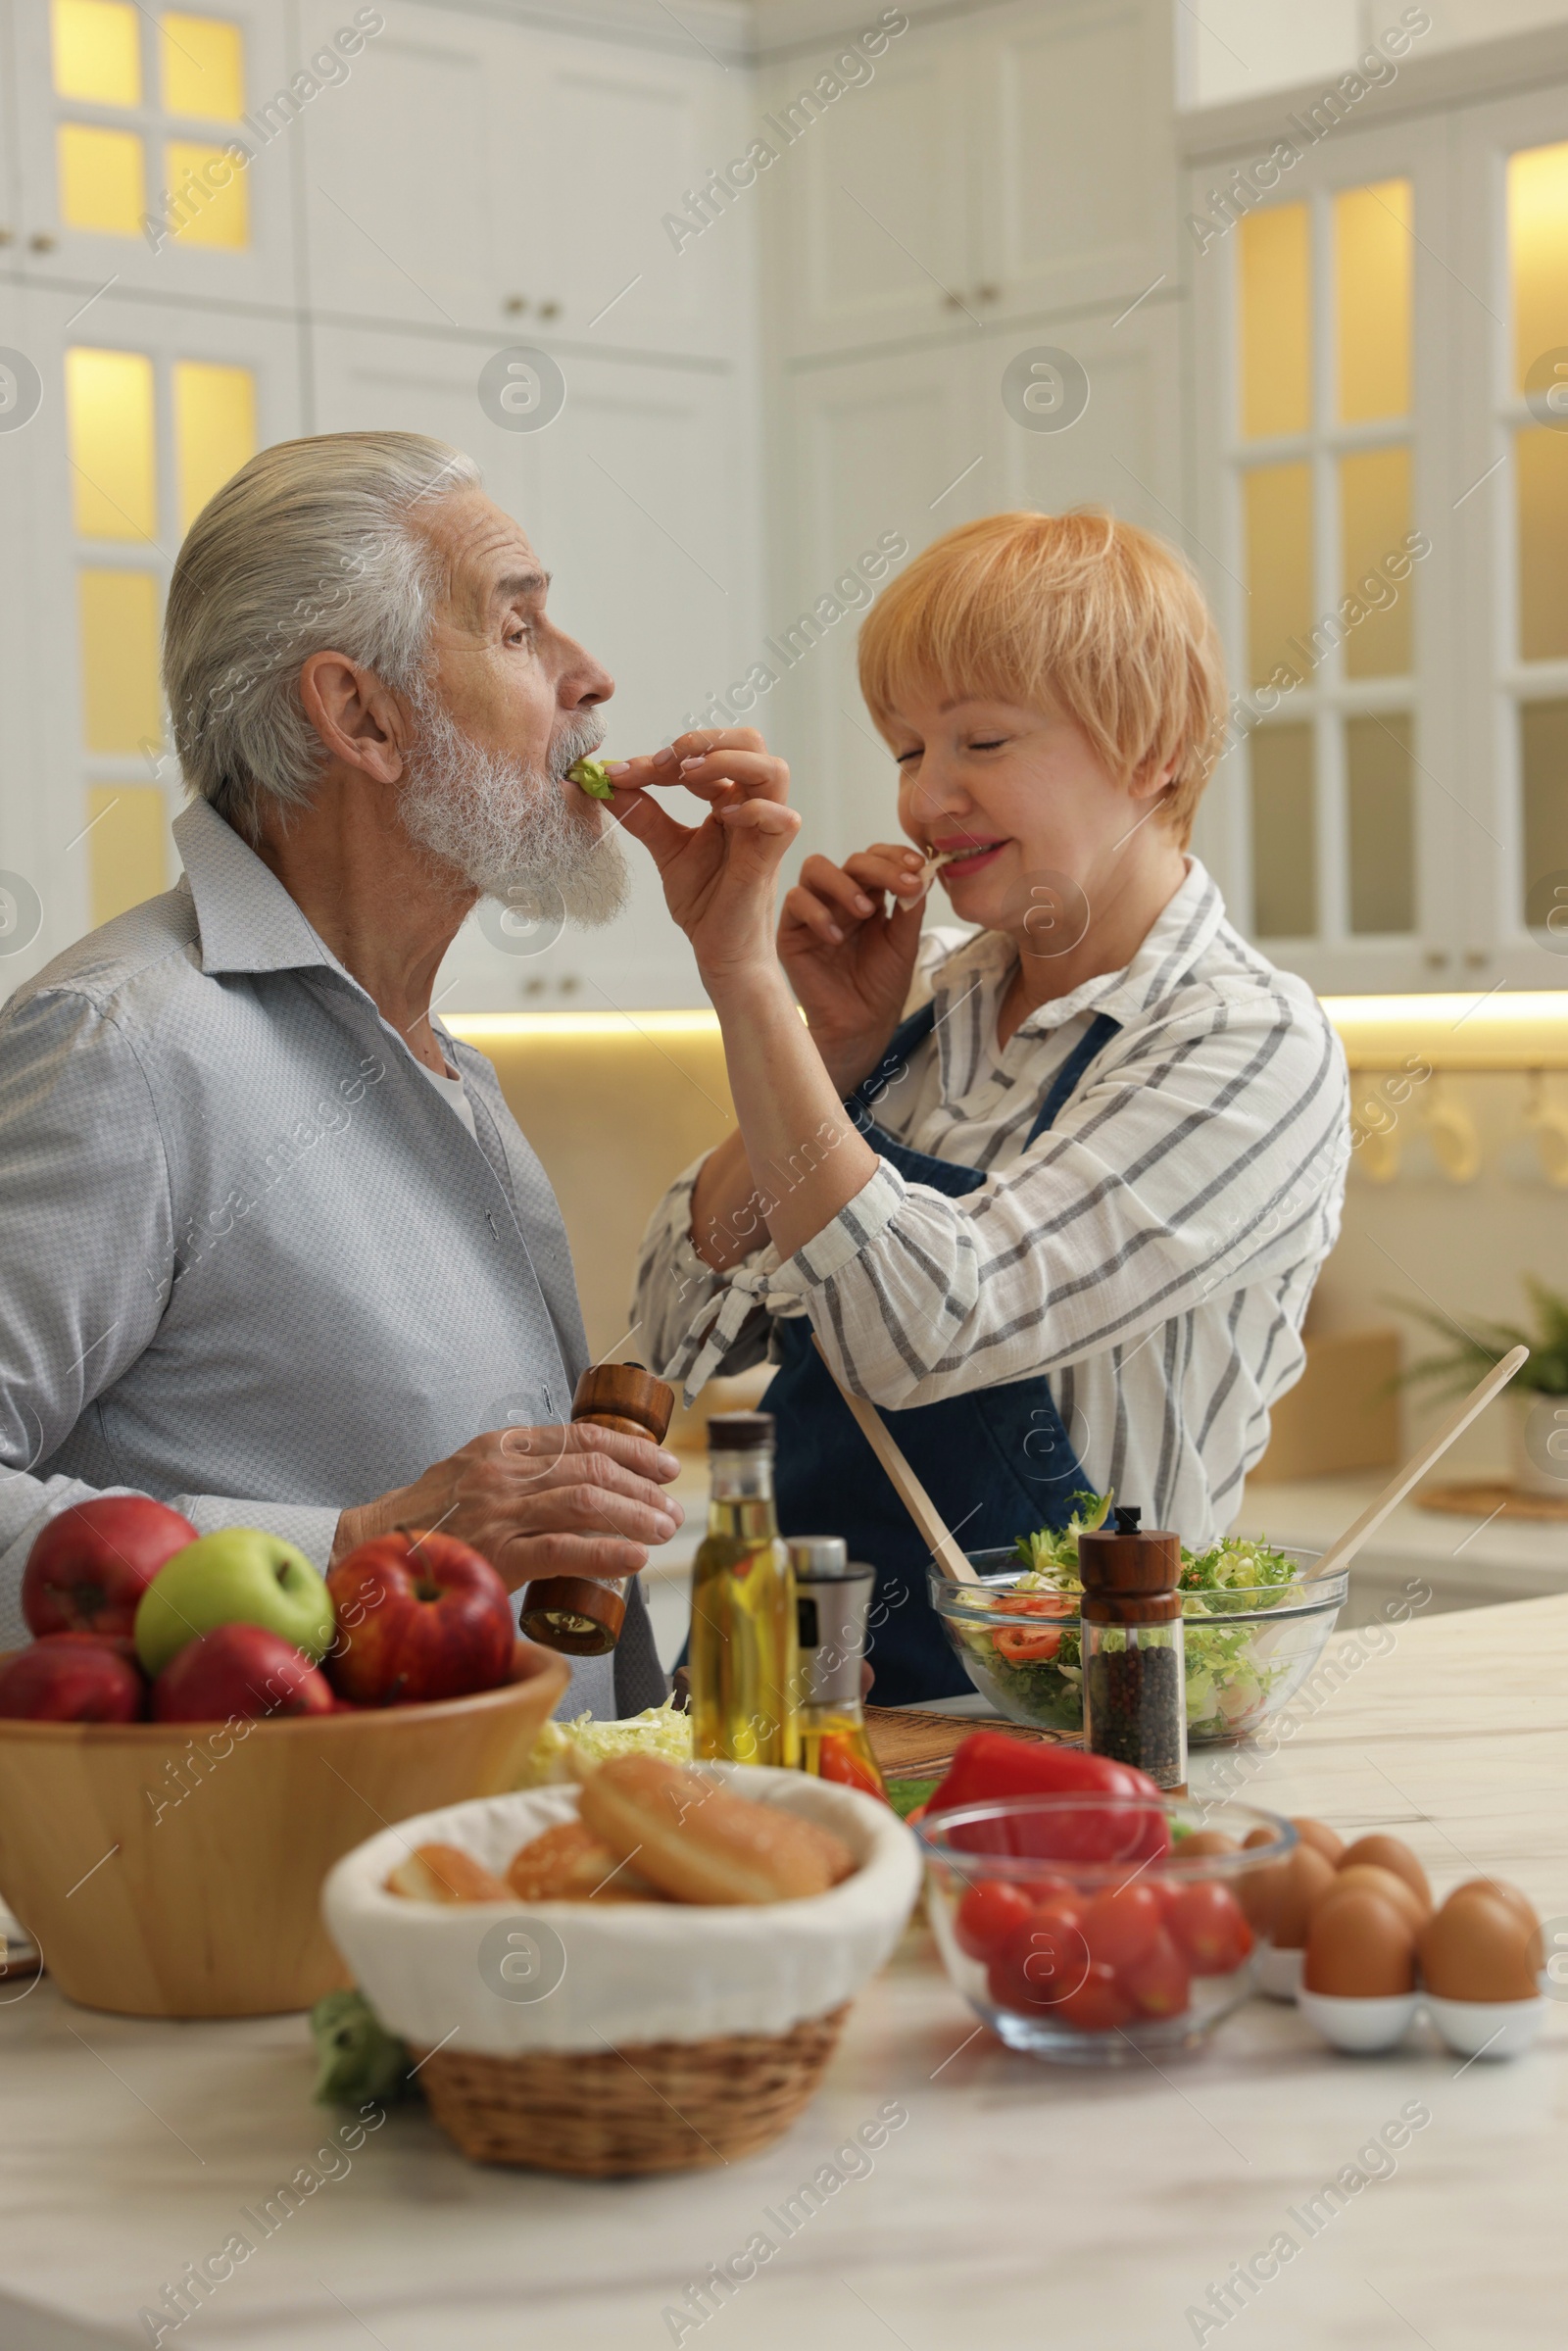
(1134, 1657)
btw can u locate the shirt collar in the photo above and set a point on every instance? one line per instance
(247, 920)
(1179, 935)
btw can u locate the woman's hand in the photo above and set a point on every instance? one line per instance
(720, 876)
(848, 941)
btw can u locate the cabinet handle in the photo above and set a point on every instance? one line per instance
(1476, 959)
(41, 241)
(8, 237)
(549, 310)
(987, 294)
(953, 301)
(515, 305)
(1435, 957)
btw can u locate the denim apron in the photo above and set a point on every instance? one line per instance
(997, 1461)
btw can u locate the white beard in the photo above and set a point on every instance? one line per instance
(505, 826)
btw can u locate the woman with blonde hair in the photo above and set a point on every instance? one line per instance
(1052, 1190)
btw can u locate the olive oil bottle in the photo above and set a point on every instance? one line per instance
(743, 1647)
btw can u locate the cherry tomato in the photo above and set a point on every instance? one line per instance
(1208, 1924)
(839, 1761)
(1026, 1647)
(988, 1914)
(1041, 1961)
(1157, 1982)
(1120, 1925)
(1037, 1603)
(1095, 2005)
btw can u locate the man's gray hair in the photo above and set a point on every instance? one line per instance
(312, 546)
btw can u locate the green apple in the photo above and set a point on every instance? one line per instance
(238, 1575)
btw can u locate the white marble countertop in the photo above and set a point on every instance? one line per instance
(1020, 2205)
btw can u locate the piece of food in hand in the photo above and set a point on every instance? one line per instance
(1359, 1947)
(699, 1842)
(239, 1575)
(569, 1864)
(73, 1678)
(239, 1670)
(420, 1617)
(1388, 1853)
(438, 1873)
(1480, 1947)
(91, 1565)
(589, 777)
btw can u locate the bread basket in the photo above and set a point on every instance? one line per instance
(604, 2039)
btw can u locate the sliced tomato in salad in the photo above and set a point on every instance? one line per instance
(1024, 1644)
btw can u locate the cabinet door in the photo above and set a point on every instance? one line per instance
(637, 498)
(882, 455)
(867, 210)
(145, 410)
(157, 151)
(1071, 132)
(406, 170)
(597, 241)
(1123, 450)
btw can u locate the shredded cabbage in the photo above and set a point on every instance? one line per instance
(568, 1751)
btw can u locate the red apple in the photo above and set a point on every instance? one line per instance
(419, 1617)
(91, 1564)
(73, 1678)
(239, 1669)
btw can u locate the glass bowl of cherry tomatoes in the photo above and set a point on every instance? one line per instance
(1095, 1930)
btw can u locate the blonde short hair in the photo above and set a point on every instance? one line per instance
(1075, 611)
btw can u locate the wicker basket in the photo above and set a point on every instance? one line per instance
(667, 2106)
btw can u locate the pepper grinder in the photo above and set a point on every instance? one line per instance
(832, 1598)
(581, 1615)
(1134, 1648)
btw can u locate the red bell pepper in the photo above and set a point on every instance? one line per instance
(988, 1765)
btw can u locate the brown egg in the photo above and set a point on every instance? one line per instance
(1206, 1840)
(1259, 1836)
(1390, 1853)
(1520, 1904)
(1366, 1878)
(1303, 1879)
(1477, 1948)
(1359, 1949)
(1328, 1841)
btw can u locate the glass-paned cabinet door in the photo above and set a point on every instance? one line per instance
(146, 412)
(155, 145)
(1319, 309)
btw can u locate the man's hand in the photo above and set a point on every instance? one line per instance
(578, 1501)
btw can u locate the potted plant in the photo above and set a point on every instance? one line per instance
(1537, 1400)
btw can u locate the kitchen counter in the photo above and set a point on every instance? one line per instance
(1020, 2204)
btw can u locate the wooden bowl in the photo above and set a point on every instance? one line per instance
(175, 1869)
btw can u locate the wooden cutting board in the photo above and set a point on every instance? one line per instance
(909, 1744)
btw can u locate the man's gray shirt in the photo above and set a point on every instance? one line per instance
(250, 1262)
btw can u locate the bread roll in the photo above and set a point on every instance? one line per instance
(444, 1874)
(699, 1842)
(569, 1864)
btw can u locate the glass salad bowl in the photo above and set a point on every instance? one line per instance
(1251, 1644)
(1079, 1929)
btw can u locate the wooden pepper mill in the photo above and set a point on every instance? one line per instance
(578, 1614)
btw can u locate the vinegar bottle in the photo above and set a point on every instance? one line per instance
(832, 1598)
(742, 1647)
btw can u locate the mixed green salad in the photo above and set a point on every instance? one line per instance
(1035, 1659)
(589, 775)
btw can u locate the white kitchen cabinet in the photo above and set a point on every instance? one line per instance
(546, 165)
(999, 164)
(177, 106)
(84, 784)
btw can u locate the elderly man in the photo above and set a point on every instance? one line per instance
(275, 1250)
